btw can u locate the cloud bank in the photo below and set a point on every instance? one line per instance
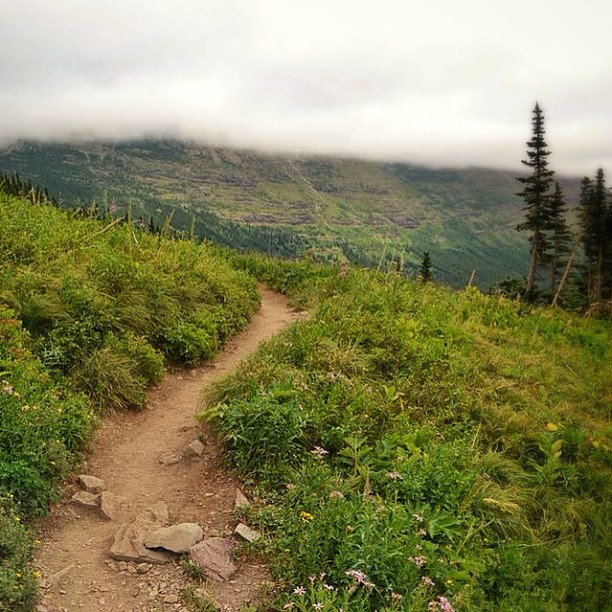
(442, 82)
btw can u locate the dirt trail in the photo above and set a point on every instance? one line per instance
(77, 574)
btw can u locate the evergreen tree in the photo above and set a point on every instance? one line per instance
(536, 197)
(425, 270)
(593, 215)
(560, 238)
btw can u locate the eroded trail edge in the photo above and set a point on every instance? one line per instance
(137, 456)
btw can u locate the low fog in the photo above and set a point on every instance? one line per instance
(441, 82)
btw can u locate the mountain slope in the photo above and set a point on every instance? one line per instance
(336, 209)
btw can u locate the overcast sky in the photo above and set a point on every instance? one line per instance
(445, 82)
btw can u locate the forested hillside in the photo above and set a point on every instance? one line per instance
(330, 209)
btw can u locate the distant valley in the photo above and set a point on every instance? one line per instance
(331, 209)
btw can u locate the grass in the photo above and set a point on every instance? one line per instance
(417, 447)
(91, 313)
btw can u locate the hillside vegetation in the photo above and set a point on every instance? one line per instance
(415, 448)
(331, 209)
(90, 312)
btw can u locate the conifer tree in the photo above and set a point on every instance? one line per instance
(560, 238)
(536, 197)
(593, 215)
(425, 269)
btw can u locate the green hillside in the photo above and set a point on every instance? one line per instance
(90, 313)
(414, 448)
(332, 209)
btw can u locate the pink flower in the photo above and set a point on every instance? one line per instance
(288, 605)
(418, 561)
(300, 590)
(427, 581)
(445, 605)
(318, 606)
(319, 451)
(328, 587)
(418, 517)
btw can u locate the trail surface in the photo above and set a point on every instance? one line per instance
(129, 454)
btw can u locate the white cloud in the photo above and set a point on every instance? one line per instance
(440, 81)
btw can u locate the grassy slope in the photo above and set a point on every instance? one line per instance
(352, 208)
(89, 313)
(466, 441)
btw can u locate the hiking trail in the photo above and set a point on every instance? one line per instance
(139, 455)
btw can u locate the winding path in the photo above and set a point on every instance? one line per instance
(76, 571)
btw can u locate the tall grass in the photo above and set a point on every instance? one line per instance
(90, 314)
(431, 447)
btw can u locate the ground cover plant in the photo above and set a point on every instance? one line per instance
(90, 313)
(417, 449)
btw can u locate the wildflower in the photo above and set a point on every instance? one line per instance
(336, 494)
(445, 605)
(441, 604)
(418, 517)
(7, 389)
(427, 581)
(422, 532)
(289, 486)
(305, 517)
(329, 587)
(312, 577)
(318, 606)
(418, 561)
(396, 597)
(359, 577)
(322, 575)
(300, 590)
(395, 476)
(288, 605)
(319, 451)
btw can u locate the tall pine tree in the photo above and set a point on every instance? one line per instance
(560, 238)
(593, 215)
(536, 197)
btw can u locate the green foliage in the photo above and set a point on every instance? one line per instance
(104, 302)
(429, 437)
(18, 588)
(88, 310)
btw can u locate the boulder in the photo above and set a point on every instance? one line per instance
(93, 484)
(86, 499)
(176, 538)
(194, 450)
(213, 555)
(245, 532)
(110, 505)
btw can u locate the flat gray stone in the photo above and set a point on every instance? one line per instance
(213, 555)
(245, 532)
(128, 544)
(241, 500)
(194, 450)
(93, 484)
(176, 538)
(110, 505)
(86, 499)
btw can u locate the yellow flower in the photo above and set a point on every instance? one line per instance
(305, 517)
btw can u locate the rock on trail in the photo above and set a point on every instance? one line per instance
(102, 551)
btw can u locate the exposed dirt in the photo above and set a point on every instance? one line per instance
(77, 573)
